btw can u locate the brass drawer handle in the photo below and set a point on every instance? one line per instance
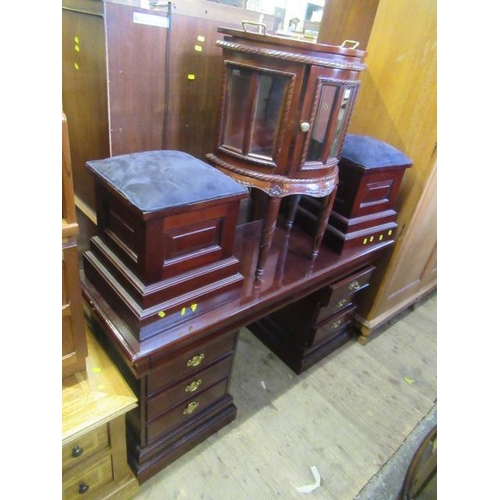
(336, 324)
(196, 360)
(76, 451)
(354, 285)
(190, 408)
(340, 303)
(193, 385)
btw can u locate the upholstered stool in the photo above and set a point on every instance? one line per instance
(363, 214)
(165, 232)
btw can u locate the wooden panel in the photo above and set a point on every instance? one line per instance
(84, 93)
(397, 101)
(137, 77)
(96, 34)
(347, 20)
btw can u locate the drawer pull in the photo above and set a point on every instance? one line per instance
(336, 324)
(83, 488)
(341, 302)
(190, 408)
(193, 385)
(196, 360)
(354, 285)
(76, 451)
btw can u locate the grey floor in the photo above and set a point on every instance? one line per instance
(356, 417)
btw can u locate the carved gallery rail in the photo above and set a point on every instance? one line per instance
(181, 376)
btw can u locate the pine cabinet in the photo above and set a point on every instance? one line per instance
(397, 104)
(94, 450)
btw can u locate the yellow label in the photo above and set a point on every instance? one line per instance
(198, 48)
(77, 48)
(77, 40)
(365, 241)
(201, 38)
(77, 66)
(191, 76)
(389, 232)
(371, 239)
(96, 369)
(183, 311)
(193, 307)
(161, 314)
(381, 237)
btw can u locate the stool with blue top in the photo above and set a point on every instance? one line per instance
(363, 214)
(163, 252)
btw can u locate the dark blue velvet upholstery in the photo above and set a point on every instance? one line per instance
(369, 152)
(155, 180)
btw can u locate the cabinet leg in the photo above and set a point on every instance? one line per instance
(292, 210)
(266, 237)
(324, 215)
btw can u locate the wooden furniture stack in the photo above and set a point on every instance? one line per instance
(94, 451)
(74, 344)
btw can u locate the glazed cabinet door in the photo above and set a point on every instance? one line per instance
(327, 107)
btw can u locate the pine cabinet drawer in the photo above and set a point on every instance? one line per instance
(86, 479)
(342, 293)
(334, 326)
(188, 387)
(187, 409)
(190, 361)
(80, 449)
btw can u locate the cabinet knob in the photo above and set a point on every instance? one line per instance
(190, 408)
(304, 126)
(196, 360)
(83, 488)
(193, 385)
(76, 451)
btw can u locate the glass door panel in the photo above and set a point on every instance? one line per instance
(344, 112)
(254, 112)
(238, 91)
(324, 116)
(266, 124)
